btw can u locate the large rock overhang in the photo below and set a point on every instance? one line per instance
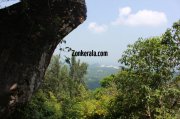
(29, 33)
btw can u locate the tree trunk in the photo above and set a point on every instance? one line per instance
(29, 34)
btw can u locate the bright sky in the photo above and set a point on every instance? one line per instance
(6, 3)
(113, 24)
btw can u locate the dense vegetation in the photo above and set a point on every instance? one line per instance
(147, 87)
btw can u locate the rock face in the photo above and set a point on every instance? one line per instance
(29, 33)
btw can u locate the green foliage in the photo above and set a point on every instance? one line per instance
(147, 88)
(151, 59)
(106, 82)
(96, 105)
(42, 106)
(61, 89)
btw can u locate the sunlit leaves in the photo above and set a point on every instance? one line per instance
(148, 86)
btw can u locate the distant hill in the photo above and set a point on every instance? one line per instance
(96, 72)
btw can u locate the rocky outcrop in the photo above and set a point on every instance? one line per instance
(29, 33)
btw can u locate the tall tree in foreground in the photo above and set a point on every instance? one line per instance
(145, 85)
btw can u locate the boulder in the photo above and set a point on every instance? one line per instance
(29, 33)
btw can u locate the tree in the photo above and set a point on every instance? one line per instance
(144, 86)
(106, 82)
(58, 93)
(77, 74)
